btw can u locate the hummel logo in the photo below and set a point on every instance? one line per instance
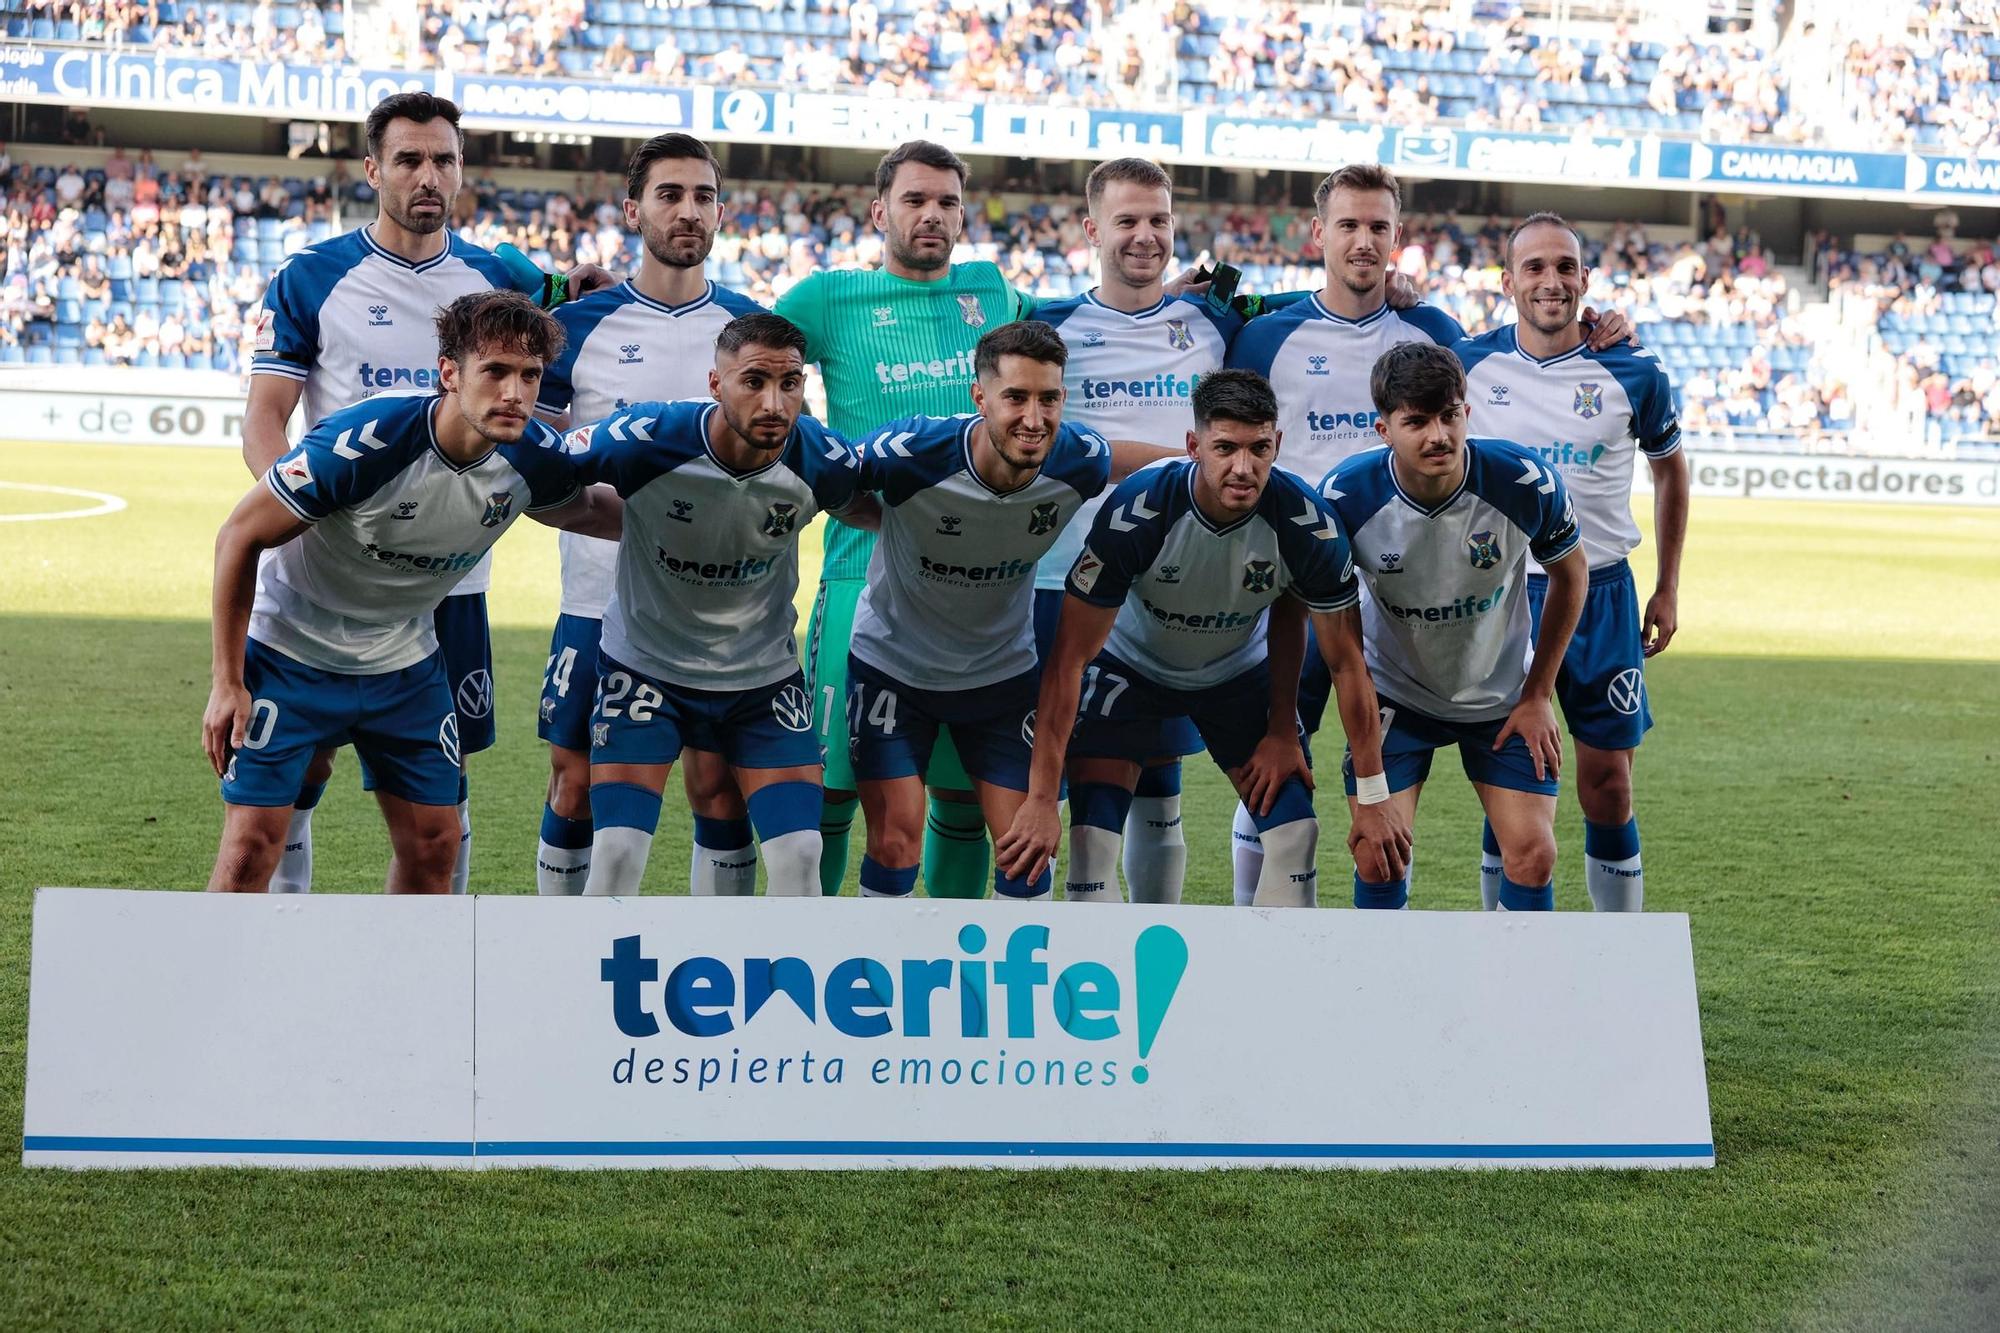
(682, 510)
(628, 355)
(405, 509)
(378, 317)
(948, 525)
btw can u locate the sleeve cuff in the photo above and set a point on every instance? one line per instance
(1549, 558)
(574, 491)
(290, 370)
(1666, 450)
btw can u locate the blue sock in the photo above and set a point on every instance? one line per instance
(463, 789)
(624, 805)
(880, 881)
(784, 807)
(1613, 842)
(1520, 898)
(568, 834)
(1099, 805)
(1006, 886)
(721, 834)
(1392, 896)
(1489, 868)
(1612, 869)
(562, 862)
(1163, 780)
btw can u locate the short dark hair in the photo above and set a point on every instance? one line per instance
(1422, 375)
(1234, 395)
(500, 318)
(422, 108)
(1364, 176)
(1543, 218)
(1129, 170)
(924, 153)
(1024, 337)
(662, 148)
(763, 329)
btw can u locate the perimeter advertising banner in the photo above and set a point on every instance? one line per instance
(517, 1031)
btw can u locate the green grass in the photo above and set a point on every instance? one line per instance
(1817, 796)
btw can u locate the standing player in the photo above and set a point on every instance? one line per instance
(698, 649)
(1584, 411)
(1442, 527)
(892, 343)
(944, 634)
(391, 502)
(1167, 614)
(652, 338)
(353, 316)
(1136, 356)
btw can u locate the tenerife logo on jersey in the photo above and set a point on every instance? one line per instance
(1568, 453)
(1006, 571)
(1178, 336)
(969, 310)
(1485, 550)
(629, 354)
(956, 367)
(1358, 422)
(378, 317)
(1165, 385)
(474, 695)
(1204, 620)
(1465, 608)
(780, 519)
(743, 569)
(1259, 576)
(376, 378)
(456, 562)
(1589, 400)
(1043, 518)
(793, 709)
(1316, 365)
(499, 508)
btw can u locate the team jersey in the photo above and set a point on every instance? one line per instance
(624, 347)
(1130, 377)
(347, 319)
(1445, 624)
(709, 561)
(1191, 596)
(890, 348)
(395, 525)
(1583, 412)
(1319, 363)
(950, 598)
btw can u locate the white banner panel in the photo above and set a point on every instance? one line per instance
(839, 1033)
(117, 417)
(193, 1029)
(1922, 481)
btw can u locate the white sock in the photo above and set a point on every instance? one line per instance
(723, 872)
(791, 865)
(560, 872)
(1092, 876)
(1290, 869)
(1155, 849)
(461, 870)
(1247, 855)
(617, 861)
(1615, 886)
(295, 868)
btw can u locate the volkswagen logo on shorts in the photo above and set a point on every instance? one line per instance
(475, 694)
(1028, 729)
(792, 707)
(1627, 690)
(448, 738)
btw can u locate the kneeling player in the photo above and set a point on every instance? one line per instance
(391, 501)
(697, 647)
(1189, 600)
(1442, 527)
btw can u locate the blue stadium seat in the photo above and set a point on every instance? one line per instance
(41, 30)
(41, 354)
(68, 31)
(146, 291)
(148, 359)
(92, 356)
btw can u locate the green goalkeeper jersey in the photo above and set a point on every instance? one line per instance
(889, 348)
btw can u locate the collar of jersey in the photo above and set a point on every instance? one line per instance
(1204, 519)
(1153, 309)
(368, 239)
(1514, 336)
(708, 447)
(707, 295)
(430, 433)
(1365, 320)
(965, 448)
(1432, 511)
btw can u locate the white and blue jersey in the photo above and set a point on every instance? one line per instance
(950, 595)
(1445, 625)
(709, 563)
(1587, 414)
(1130, 377)
(394, 526)
(624, 347)
(1319, 365)
(1192, 595)
(347, 319)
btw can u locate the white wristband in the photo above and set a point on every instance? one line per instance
(1372, 789)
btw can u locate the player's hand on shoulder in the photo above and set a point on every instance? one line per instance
(223, 723)
(1402, 292)
(587, 278)
(1607, 330)
(1663, 618)
(1534, 721)
(1379, 839)
(1032, 839)
(1276, 759)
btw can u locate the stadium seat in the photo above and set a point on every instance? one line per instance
(11, 354)
(41, 354)
(146, 291)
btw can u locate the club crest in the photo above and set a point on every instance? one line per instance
(1178, 336)
(969, 310)
(780, 519)
(1259, 576)
(1485, 549)
(1042, 518)
(1589, 400)
(499, 508)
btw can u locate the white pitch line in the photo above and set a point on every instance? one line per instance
(106, 504)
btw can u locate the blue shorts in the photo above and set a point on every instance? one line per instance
(401, 722)
(468, 664)
(1602, 682)
(569, 684)
(1409, 737)
(1173, 736)
(891, 726)
(1120, 709)
(1315, 685)
(639, 719)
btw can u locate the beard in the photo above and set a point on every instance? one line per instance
(906, 254)
(668, 247)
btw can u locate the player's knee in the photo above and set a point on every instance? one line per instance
(711, 790)
(895, 846)
(1370, 864)
(1605, 795)
(1531, 859)
(432, 845)
(569, 784)
(247, 859)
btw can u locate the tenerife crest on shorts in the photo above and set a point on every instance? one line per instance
(970, 311)
(1178, 336)
(1259, 575)
(499, 506)
(1589, 400)
(1485, 550)
(1042, 518)
(780, 519)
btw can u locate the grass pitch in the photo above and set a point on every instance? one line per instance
(1817, 796)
